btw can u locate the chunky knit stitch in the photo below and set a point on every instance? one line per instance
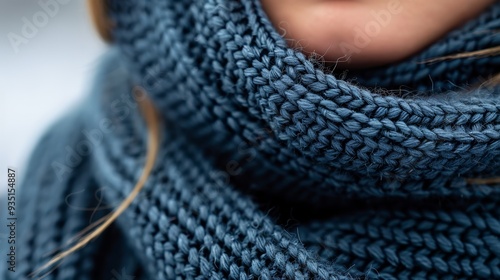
(270, 166)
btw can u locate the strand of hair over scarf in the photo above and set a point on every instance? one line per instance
(97, 228)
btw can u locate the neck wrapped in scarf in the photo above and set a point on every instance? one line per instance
(366, 175)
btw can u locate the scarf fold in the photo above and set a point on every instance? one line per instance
(222, 64)
(270, 167)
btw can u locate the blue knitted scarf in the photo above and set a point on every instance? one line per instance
(272, 166)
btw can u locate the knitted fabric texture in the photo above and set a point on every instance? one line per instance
(270, 167)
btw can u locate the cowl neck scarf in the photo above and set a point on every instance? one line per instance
(273, 166)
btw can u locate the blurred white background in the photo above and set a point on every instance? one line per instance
(49, 52)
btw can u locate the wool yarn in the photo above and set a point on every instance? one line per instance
(270, 167)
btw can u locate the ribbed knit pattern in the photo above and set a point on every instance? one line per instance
(270, 167)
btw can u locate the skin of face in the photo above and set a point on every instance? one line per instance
(365, 33)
